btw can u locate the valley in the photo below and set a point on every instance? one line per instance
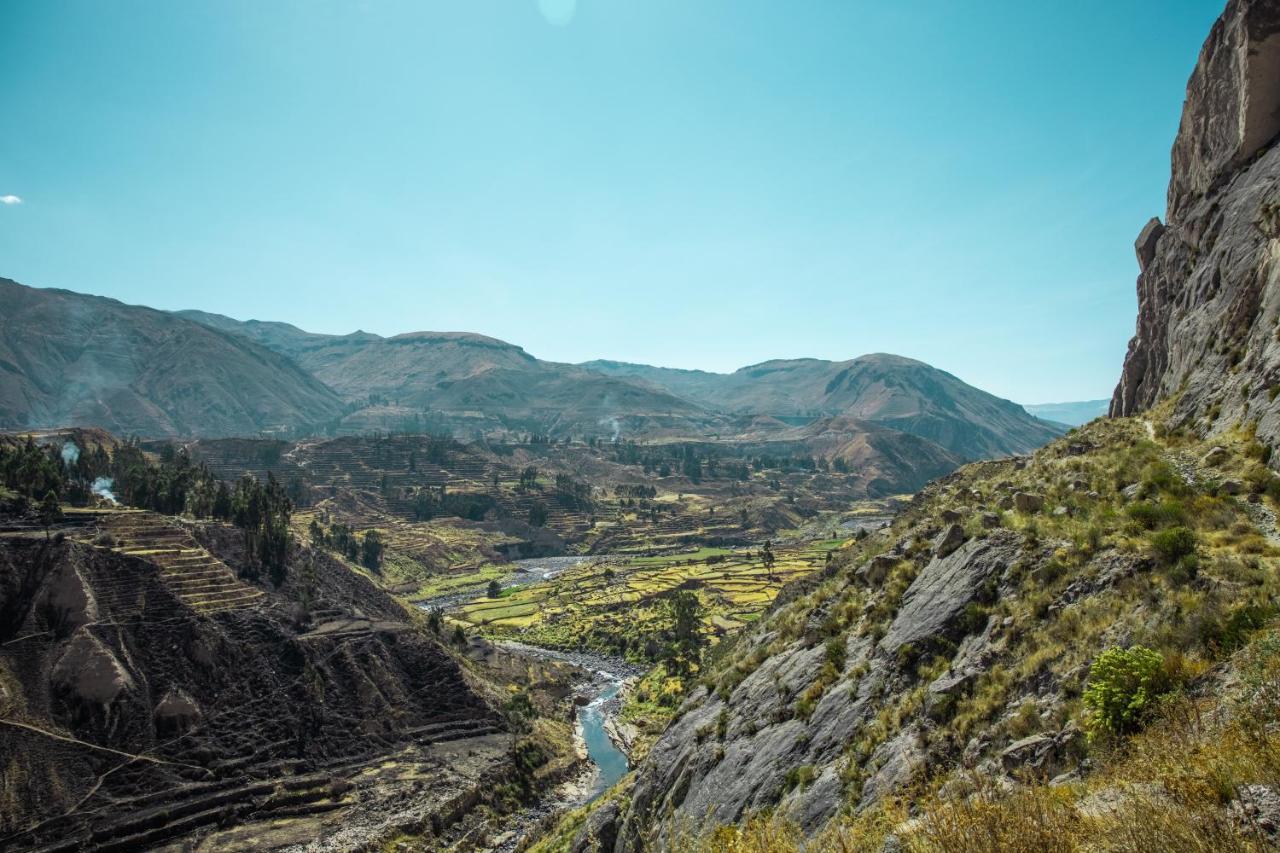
(270, 589)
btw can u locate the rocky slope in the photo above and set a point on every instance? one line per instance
(901, 393)
(70, 359)
(1209, 288)
(933, 691)
(148, 694)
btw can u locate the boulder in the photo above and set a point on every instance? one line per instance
(1232, 487)
(951, 516)
(990, 520)
(176, 712)
(899, 762)
(599, 833)
(948, 540)
(1256, 809)
(1006, 503)
(1216, 456)
(873, 571)
(1028, 502)
(89, 671)
(1030, 751)
(937, 597)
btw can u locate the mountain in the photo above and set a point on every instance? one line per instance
(1071, 414)
(467, 381)
(966, 678)
(1208, 290)
(891, 390)
(71, 359)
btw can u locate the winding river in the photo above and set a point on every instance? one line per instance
(610, 673)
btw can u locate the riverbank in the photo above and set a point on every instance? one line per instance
(597, 703)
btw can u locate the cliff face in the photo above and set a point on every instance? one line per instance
(1208, 296)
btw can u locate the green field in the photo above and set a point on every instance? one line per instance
(619, 607)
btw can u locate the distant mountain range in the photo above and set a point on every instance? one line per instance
(72, 359)
(890, 390)
(1071, 414)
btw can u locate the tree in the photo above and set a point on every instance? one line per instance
(371, 551)
(316, 532)
(50, 512)
(495, 589)
(537, 515)
(766, 557)
(684, 608)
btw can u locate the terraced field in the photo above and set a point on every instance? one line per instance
(199, 579)
(618, 605)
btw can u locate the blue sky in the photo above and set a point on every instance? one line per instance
(690, 184)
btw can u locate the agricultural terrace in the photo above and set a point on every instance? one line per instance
(619, 607)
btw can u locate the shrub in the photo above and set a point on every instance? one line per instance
(1123, 686)
(1233, 631)
(1153, 516)
(1172, 545)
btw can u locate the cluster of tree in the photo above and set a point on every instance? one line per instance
(573, 493)
(431, 503)
(262, 512)
(787, 464)
(528, 479)
(366, 549)
(32, 470)
(173, 486)
(636, 491)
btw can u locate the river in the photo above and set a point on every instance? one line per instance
(604, 704)
(610, 673)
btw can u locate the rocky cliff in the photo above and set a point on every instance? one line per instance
(1208, 291)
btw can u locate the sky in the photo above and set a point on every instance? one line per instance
(687, 183)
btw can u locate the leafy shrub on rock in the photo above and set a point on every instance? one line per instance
(1123, 686)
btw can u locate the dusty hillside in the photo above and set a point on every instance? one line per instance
(69, 359)
(148, 693)
(468, 381)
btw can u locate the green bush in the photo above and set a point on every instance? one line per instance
(1226, 635)
(1153, 516)
(1122, 689)
(1172, 545)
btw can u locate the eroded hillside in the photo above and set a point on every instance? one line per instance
(149, 692)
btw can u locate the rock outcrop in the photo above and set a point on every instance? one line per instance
(776, 740)
(1208, 290)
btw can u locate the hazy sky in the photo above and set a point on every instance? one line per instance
(689, 183)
